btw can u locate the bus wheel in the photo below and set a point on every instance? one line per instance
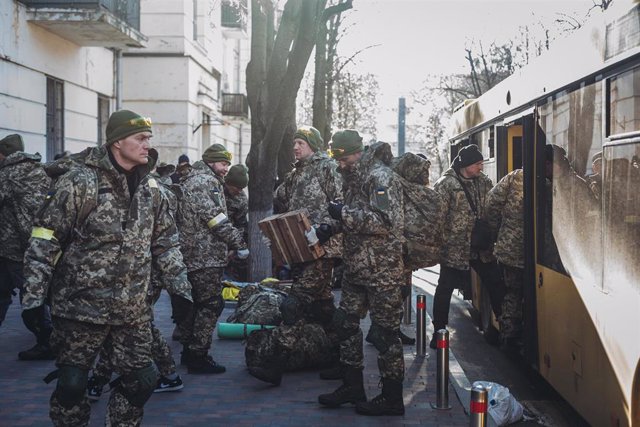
(491, 334)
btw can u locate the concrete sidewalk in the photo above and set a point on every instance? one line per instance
(233, 398)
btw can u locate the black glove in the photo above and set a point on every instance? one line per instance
(290, 309)
(180, 308)
(324, 233)
(335, 210)
(33, 319)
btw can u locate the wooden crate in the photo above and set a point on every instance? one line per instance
(288, 242)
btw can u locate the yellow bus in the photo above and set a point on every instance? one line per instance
(582, 223)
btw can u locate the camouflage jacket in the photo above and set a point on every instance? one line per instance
(238, 209)
(97, 269)
(23, 187)
(504, 211)
(373, 217)
(311, 185)
(459, 218)
(204, 241)
(165, 189)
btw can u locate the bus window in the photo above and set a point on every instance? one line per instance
(624, 93)
(622, 216)
(570, 232)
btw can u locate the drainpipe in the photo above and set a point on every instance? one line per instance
(117, 59)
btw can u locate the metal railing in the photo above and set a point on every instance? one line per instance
(125, 10)
(235, 104)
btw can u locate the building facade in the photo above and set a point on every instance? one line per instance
(190, 76)
(59, 69)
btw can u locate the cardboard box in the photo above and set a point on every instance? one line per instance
(288, 242)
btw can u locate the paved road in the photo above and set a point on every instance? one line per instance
(233, 398)
(483, 362)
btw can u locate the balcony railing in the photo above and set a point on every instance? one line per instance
(234, 14)
(108, 23)
(125, 10)
(235, 104)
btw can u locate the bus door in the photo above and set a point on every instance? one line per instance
(509, 146)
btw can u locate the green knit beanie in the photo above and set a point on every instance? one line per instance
(238, 176)
(311, 135)
(345, 142)
(124, 123)
(216, 153)
(10, 144)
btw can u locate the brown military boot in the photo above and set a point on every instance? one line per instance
(351, 390)
(389, 402)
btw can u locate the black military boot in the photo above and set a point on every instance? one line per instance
(202, 363)
(269, 375)
(351, 390)
(333, 373)
(389, 402)
(184, 356)
(406, 340)
(37, 352)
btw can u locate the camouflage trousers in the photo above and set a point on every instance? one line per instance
(160, 352)
(383, 300)
(312, 280)
(206, 289)
(511, 318)
(292, 347)
(128, 349)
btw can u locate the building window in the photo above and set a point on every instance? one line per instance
(206, 131)
(195, 19)
(103, 118)
(55, 117)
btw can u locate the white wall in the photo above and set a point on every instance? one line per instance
(28, 54)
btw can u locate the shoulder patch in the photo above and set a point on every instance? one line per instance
(382, 198)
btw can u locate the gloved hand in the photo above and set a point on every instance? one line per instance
(324, 233)
(335, 210)
(312, 239)
(33, 318)
(180, 308)
(242, 253)
(266, 241)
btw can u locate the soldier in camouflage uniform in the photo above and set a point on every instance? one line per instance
(94, 243)
(205, 235)
(238, 210)
(504, 211)
(457, 256)
(372, 219)
(23, 186)
(311, 185)
(160, 351)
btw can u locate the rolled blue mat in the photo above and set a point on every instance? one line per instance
(238, 331)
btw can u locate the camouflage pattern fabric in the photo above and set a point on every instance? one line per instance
(459, 218)
(373, 218)
(292, 347)
(238, 211)
(203, 240)
(99, 267)
(504, 211)
(312, 281)
(78, 343)
(258, 306)
(373, 223)
(511, 317)
(23, 187)
(207, 288)
(384, 304)
(311, 185)
(165, 190)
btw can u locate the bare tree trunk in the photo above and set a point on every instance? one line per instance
(274, 73)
